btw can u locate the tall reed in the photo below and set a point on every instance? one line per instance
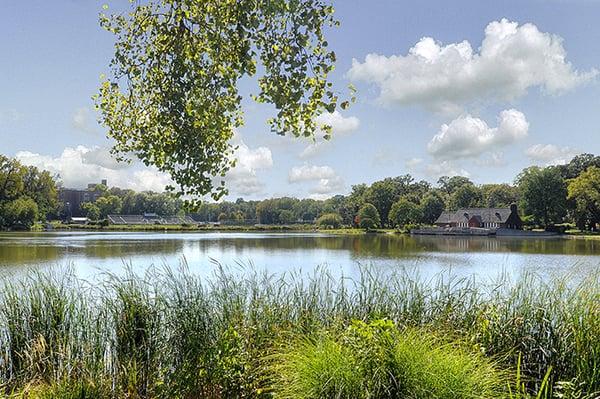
(170, 333)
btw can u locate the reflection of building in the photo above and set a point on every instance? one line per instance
(489, 218)
(73, 198)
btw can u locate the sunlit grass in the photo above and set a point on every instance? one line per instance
(170, 333)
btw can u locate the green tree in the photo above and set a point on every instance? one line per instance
(90, 210)
(498, 195)
(286, 216)
(584, 191)
(543, 194)
(405, 212)
(11, 178)
(40, 186)
(172, 95)
(22, 212)
(329, 221)
(109, 205)
(466, 196)
(368, 217)
(450, 184)
(432, 207)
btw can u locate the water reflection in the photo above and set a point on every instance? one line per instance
(281, 252)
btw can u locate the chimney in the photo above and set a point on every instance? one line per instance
(513, 208)
(104, 182)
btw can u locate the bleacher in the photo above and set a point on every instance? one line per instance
(149, 219)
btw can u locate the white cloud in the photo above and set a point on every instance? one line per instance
(412, 163)
(328, 181)
(340, 126)
(436, 170)
(243, 178)
(84, 121)
(512, 59)
(310, 172)
(551, 154)
(494, 160)
(82, 165)
(101, 156)
(469, 137)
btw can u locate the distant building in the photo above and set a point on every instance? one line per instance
(73, 198)
(487, 218)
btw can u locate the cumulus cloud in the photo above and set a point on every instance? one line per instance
(470, 137)
(550, 154)
(435, 170)
(412, 163)
(81, 165)
(84, 121)
(243, 178)
(340, 126)
(101, 156)
(512, 59)
(328, 181)
(310, 172)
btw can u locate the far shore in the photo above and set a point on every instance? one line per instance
(300, 228)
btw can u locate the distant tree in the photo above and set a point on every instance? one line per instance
(432, 207)
(41, 187)
(108, 205)
(11, 179)
(405, 212)
(499, 195)
(466, 196)
(578, 165)
(543, 194)
(450, 184)
(90, 210)
(584, 191)
(286, 216)
(329, 221)
(368, 217)
(22, 212)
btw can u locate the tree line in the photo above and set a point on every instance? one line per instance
(546, 196)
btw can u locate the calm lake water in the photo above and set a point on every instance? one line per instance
(90, 253)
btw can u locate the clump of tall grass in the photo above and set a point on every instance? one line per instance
(172, 334)
(376, 361)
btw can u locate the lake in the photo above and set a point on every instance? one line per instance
(90, 253)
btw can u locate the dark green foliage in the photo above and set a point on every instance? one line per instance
(543, 194)
(26, 194)
(330, 221)
(171, 334)
(368, 217)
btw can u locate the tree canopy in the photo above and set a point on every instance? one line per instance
(172, 97)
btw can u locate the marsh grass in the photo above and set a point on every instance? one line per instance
(169, 333)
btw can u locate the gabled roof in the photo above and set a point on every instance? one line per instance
(487, 215)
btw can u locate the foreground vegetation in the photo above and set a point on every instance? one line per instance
(247, 334)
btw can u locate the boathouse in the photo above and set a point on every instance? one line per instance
(487, 218)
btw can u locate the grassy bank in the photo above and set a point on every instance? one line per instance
(169, 334)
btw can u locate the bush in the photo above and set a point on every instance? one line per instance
(368, 217)
(330, 221)
(377, 361)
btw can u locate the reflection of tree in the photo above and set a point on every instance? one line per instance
(14, 254)
(126, 248)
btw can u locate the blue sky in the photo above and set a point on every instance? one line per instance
(497, 87)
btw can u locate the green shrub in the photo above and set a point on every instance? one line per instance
(376, 360)
(330, 221)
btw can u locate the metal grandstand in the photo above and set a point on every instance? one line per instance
(149, 219)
